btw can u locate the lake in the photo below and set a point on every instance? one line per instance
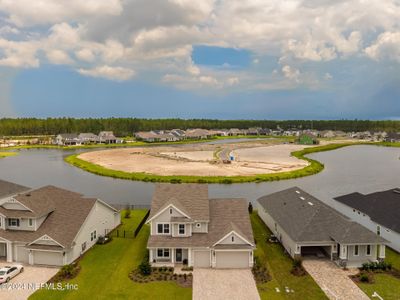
(357, 168)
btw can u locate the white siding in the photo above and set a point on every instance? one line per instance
(236, 240)
(164, 217)
(203, 227)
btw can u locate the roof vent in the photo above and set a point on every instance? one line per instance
(298, 192)
(310, 203)
(302, 198)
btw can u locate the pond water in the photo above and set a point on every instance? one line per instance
(357, 168)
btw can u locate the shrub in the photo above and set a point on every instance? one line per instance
(67, 270)
(250, 208)
(364, 277)
(127, 214)
(185, 261)
(145, 268)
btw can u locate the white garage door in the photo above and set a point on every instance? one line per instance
(201, 259)
(22, 254)
(47, 258)
(232, 259)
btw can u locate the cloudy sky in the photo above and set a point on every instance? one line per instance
(254, 59)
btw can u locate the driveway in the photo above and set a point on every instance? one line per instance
(230, 284)
(25, 283)
(334, 281)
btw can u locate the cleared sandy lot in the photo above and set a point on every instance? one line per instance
(250, 159)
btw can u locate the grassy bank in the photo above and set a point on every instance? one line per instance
(7, 154)
(105, 269)
(313, 168)
(279, 266)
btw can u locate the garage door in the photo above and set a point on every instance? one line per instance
(201, 259)
(22, 254)
(233, 259)
(47, 258)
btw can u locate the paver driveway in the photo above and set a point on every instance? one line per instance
(21, 286)
(334, 281)
(210, 284)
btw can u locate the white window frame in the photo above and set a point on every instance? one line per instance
(366, 250)
(163, 230)
(93, 235)
(164, 250)
(358, 250)
(30, 222)
(179, 229)
(13, 219)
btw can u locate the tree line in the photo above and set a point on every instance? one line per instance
(126, 126)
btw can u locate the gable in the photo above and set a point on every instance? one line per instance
(14, 204)
(232, 238)
(45, 240)
(165, 215)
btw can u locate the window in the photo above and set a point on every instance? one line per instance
(378, 230)
(93, 235)
(198, 225)
(170, 211)
(233, 238)
(30, 222)
(163, 228)
(181, 228)
(163, 252)
(368, 249)
(83, 246)
(356, 250)
(13, 222)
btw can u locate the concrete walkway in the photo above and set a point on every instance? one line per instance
(334, 281)
(237, 284)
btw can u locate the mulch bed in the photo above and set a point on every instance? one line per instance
(162, 274)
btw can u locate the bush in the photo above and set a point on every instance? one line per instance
(250, 208)
(145, 268)
(364, 277)
(67, 270)
(185, 261)
(127, 214)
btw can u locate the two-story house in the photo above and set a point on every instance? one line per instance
(189, 228)
(50, 225)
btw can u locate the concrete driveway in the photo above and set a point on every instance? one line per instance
(25, 283)
(334, 281)
(235, 284)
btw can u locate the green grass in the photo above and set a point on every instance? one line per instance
(105, 269)
(393, 257)
(279, 266)
(387, 286)
(313, 168)
(7, 154)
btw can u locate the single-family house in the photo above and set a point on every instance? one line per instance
(187, 227)
(392, 137)
(306, 226)
(67, 139)
(198, 134)
(88, 138)
(146, 136)
(50, 225)
(235, 131)
(379, 212)
(108, 137)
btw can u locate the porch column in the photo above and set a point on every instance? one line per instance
(150, 255)
(189, 257)
(343, 251)
(173, 255)
(382, 250)
(9, 252)
(30, 257)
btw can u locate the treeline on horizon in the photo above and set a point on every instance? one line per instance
(126, 126)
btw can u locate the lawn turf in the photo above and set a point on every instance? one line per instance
(105, 269)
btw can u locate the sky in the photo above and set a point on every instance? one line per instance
(226, 59)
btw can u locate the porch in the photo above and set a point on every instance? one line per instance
(169, 257)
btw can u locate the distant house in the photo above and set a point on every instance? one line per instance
(146, 136)
(307, 227)
(327, 134)
(50, 226)
(67, 139)
(307, 139)
(186, 227)
(379, 212)
(198, 134)
(253, 131)
(235, 131)
(88, 138)
(107, 137)
(392, 137)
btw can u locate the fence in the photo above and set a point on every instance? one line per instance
(130, 234)
(141, 223)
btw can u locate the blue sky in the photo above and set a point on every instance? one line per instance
(278, 60)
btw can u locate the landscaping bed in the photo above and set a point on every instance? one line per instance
(162, 274)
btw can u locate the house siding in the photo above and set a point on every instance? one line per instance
(236, 240)
(164, 217)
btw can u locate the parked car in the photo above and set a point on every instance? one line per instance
(8, 272)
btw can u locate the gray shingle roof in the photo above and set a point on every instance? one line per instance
(306, 219)
(9, 188)
(192, 199)
(382, 207)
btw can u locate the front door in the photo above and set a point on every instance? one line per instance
(178, 257)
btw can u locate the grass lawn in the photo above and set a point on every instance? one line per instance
(7, 154)
(387, 286)
(105, 269)
(279, 266)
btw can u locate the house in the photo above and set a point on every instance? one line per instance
(198, 134)
(234, 132)
(392, 137)
(187, 227)
(307, 139)
(108, 137)
(379, 212)
(88, 138)
(67, 139)
(306, 226)
(50, 226)
(146, 136)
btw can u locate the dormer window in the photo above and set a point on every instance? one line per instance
(182, 229)
(13, 222)
(30, 222)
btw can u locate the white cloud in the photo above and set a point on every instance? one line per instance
(291, 73)
(112, 73)
(58, 57)
(387, 46)
(19, 54)
(85, 54)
